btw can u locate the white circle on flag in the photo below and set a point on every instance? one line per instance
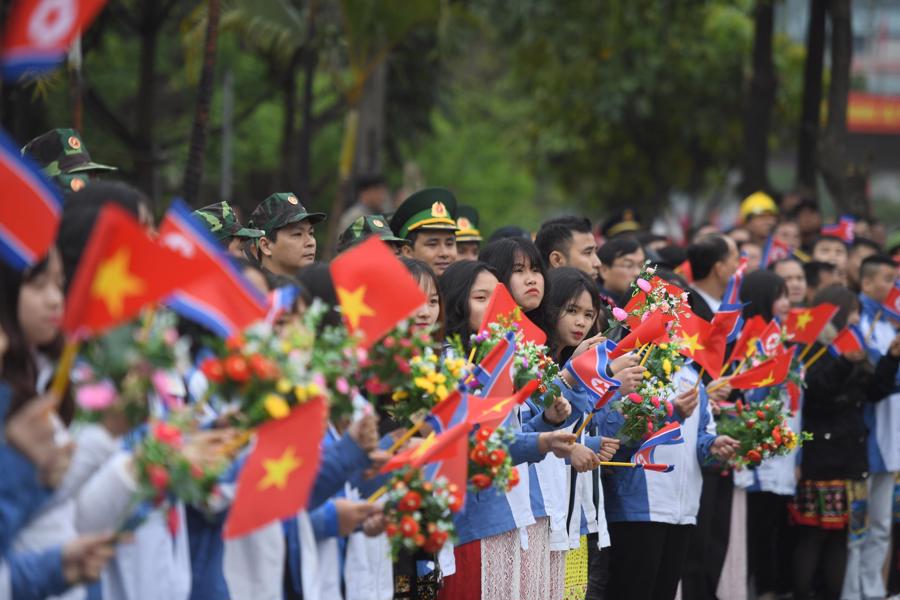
(52, 22)
(178, 243)
(771, 342)
(599, 385)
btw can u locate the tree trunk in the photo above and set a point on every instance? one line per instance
(145, 159)
(289, 91)
(758, 111)
(369, 148)
(303, 172)
(226, 177)
(812, 97)
(846, 181)
(193, 170)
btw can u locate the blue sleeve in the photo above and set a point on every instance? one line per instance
(340, 461)
(367, 487)
(593, 442)
(325, 521)
(36, 575)
(705, 439)
(524, 448)
(21, 494)
(578, 397)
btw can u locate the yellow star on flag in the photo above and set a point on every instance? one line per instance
(497, 408)
(769, 380)
(803, 319)
(353, 305)
(279, 470)
(113, 281)
(691, 343)
(424, 446)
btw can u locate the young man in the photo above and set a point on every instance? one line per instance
(222, 223)
(831, 250)
(468, 237)
(714, 260)
(428, 220)
(818, 275)
(759, 214)
(791, 270)
(64, 158)
(788, 233)
(288, 243)
(866, 556)
(860, 249)
(621, 261)
(568, 242)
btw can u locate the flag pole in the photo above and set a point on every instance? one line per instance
(722, 383)
(64, 368)
(378, 494)
(872, 328)
(647, 354)
(805, 352)
(406, 436)
(815, 357)
(583, 424)
(699, 379)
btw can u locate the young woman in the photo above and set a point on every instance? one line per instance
(430, 315)
(772, 484)
(518, 264)
(466, 287)
(834, 463)
(791, 270)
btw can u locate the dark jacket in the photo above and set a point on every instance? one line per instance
(833, 413)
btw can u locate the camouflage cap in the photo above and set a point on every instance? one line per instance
(280, 209)
(61, 151)
(222, 223)
(366, 226)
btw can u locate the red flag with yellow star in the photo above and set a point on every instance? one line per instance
(493, 410)
(649, 330)
(702, 343)
(374, 289)
(435, 447)
(502, 304)
(751, 332)
(768, 373)
(121, 271)
(279, 473)
(805, 324)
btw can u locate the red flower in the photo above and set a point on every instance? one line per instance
(419, 539)
(670, 409)
(167, 434)
(750, 423)
(754, 456)
(649, 426)
(390, 529)
(654, 401)
(479, 455)
(408, 526)
(455, 503)
(739, 407)
(760, 414)
(410, 502)
(158, 476)
(481, 481)
(776, 435)
(235, 342)
(236, 368)
(196, 472)
(402, 365)
(388, 342)
(496, 457)
(263, 368)
(405, 343)
(213, 370)
(636, 398)
(483, 434)
(435, 541)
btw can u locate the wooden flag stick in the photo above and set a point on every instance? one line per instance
(805, 352)
(406, 436)
(699, 379)
(872, 328)
(64, 369)
(647, 354)
(816, 357)
(618, 464)
(378, 494)
(584, 424)
(722, 383)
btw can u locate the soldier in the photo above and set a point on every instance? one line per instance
(366, 226)
(63, 157)
(428, 220)
(288, 242)
(222, 223)
(468, 238)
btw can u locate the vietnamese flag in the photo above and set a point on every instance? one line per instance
(753, 328)
(277, 478)
(222, 300)
(493, 410)
(121, 271)
(650, 330)
(374, 289)
(703, 343)
(805, 324)
(502, 304)
(30, 213)
(435, 447)
(768, 373)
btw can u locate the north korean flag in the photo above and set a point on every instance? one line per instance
(849, 340)
(774, 251)
(589, 368)
(892, 303)
(843, 229)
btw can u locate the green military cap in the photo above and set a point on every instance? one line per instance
(622, 222)
(366, 226)
(467, 221)
(222, 223)
(280, 209)
(61, 152)
(431, 208)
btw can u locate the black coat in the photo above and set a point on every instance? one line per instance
(833, 413)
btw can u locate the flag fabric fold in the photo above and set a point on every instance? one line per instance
(590, 369)
(850, 339)
(803, 325)
(768, 373)
(501, 304)
(650, 330)
(669, 434)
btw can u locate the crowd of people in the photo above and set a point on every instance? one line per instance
(817, 522)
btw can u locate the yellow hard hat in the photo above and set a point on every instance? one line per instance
(758, 203)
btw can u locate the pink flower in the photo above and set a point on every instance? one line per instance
(669, 408)
(644, 285)
(654, 401)
(619, 314)
(636, 398)
(167, 434)
(96, 396)
(645, 316)
(170, 336)
(342, 386)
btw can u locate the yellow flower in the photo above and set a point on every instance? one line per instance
(285, 347)
(399, 395)
(283, 386)
(433, 358)
(667, 366)
(313, 389)
(415, 360)
(276, 406)
(790, 441)
(441, 392)
(647, 375)
(663, 346)
(425, 384)
(300, 394)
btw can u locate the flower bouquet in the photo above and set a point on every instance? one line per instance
(489, 461)
(118, 370)
(429, 381)
(762, 429)
(418, 513)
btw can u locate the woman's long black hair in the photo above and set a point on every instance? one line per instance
(456, 286)
(502, 255)
(567, 284)
(20, 370)
(759, 292)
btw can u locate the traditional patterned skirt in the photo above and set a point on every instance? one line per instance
(577, 571)
(834, 504)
